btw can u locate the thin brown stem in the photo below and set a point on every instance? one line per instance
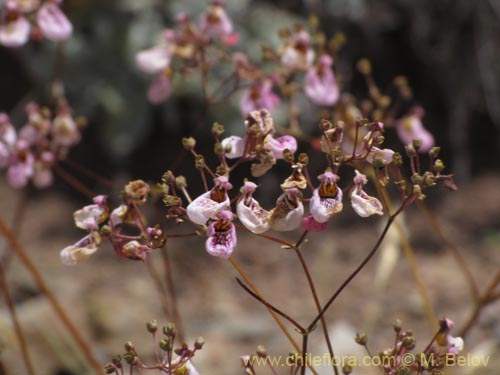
(17, 325)
(30, 266)
(304, 363)
(173, 295)
(370, 255)
(270, 306)
(153, 272)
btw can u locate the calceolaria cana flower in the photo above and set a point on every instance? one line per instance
(250, 213)
(326, 200)
(221, 235)
(209, 204)
(288, 212)
(320, 85)
(363, 204)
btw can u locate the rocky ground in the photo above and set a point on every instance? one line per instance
(110, 299)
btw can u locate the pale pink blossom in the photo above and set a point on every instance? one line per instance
(410, 128)
(259, 95)
(326, 200)
(118, 215)
(298, 55)
(385, 155)
(215, 21)
(160, 89)
(310, 224)
(15, 33)
(53, 22)
(250, 213)
(43, 176)
(278, 145)
(89, 217)
(154, 60)
(320, 85)
(363, 204)
(210, 204)
(288, 212)
(221, 236)
(81, 250)
(235, 146)
(21, 165)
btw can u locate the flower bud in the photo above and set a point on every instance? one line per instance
(199, 162)
(288, 156)
(403, 371)
(152, 326)
(217, 129)
(416, 179)
(361, 339)
(364, 66)
(168, 177)
(417, 144)
(261, 351)
(434, 152)
(397, 325)
(170, 330)
(130, 358)
(429, 179)
(172, 201)
(438, 165)
(105, 230)
(165, 344)
(218, 149)
(117, 361)
(180, 182)
(397, 160)
(409, 342)
(189, 143)
(346, 369)
(109, 368)
(410, 150)
(199, 342)
(129, 346)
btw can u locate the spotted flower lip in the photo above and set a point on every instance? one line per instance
(211, 203)
(410, 128)
(53, 22)
(221, 236)
(363, 204)
(288, 212)
(250, 213)
(320, 85)
(327, 198)
(81, 250)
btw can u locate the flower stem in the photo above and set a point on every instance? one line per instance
(26, 261)
(17, 326)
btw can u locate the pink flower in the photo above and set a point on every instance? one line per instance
(118, 215)
(221, 236)
(21, 165)
(16, 32)
(363, 204)
(235, 146)
(215, 22)
(320, 84)
(310, 224)
(133, 250)
(154, 60)
(385, 155)
(297, 54)
(278, 145)
(43, 176)
(89, 217)
(249, 211)
(81, 250)
(288, 212)
(160, 89)
(260, 95)
(410, 128)
(326, 200)
(53, 22)
(210, 204)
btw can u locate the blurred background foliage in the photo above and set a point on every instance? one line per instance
(448, 49)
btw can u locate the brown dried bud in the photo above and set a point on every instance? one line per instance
(199, 162)
(417, 144)
(170, 330)
(138, 191)
(218, 149)
(109, 368)
(288, 156)
(128, 346)
(434, 152)
(168, 177)
(409, 342)
(217, 129)
(304, 159)
(189, 143)
(165, 344)
(346, 369)
(438, 165)
(172, 201)
(261, 351)
(397, 159)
